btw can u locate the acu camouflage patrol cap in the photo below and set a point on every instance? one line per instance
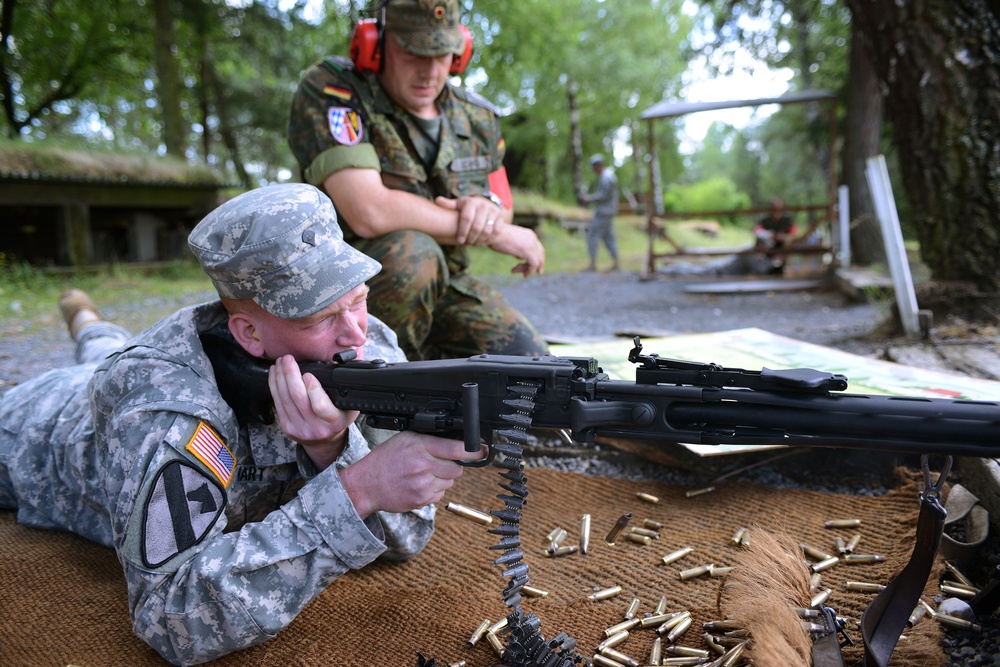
(425, 27)
(281, 246)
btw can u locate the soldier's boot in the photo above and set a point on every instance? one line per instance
(78, 311)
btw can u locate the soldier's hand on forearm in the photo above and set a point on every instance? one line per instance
(478, 218)
(407, 471)
(305, 412)
(522, 243)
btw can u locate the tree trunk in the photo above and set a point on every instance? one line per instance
(168, 88)
(575, 143)
(863, 138)
(939, 63)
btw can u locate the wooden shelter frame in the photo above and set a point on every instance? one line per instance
(827, 209)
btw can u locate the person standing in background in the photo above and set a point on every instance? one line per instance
(604, 199)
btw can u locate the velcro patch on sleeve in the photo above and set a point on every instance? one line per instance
(179, 512)
(207, 447)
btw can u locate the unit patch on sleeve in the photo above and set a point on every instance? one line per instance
(208, 448)
(180, 510)
(345, 125)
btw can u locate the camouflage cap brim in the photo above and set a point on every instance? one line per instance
(430, 43)
(426, 27)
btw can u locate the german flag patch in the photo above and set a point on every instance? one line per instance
(338, 92)
(208, 448)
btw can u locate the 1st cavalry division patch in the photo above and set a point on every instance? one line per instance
(345, 125)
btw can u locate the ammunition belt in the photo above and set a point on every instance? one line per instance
(525, 644)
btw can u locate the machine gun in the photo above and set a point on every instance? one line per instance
(492, 399)
(673, 401)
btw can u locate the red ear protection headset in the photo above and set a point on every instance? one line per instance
(366, 46)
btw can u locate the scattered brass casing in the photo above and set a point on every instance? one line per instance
(678, 630)
(864, 587)
(738, 536)
(814, 552)
(863, 558)
(624, 626)
(720, 571)
(676, 555)
(497, 627)
(602, 661)
(682, 661)
(658, 619)
(617, 529)
(605, 593)
(956, 622)
(687, 652)
(820, 598)
(824, 564)
(842, 523)
(648, 497)
(652, 534)
(469, 513)
(633, 609)
(557, 536)
(814, 582)
(693, 572)
(584, 533)
(656, 651)
(652, 525)
(918, 613)
(561, 551)
(954, 571)
(638, 539)
(669, 625)
(960, 592)
(853, 543)
(620, 657)
(479, 632)
(613, 640)
(553, 534)
(661, 606)
(698, 492)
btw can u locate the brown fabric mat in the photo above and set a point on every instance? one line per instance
(62, 599)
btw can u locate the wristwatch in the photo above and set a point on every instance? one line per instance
(493, 198)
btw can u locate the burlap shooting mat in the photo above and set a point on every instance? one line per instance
(62, 599)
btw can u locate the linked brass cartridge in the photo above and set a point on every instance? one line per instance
(676, 555)
(495, 642)
(605, 593)
(533, 592)
(469, 513)
(617, 529)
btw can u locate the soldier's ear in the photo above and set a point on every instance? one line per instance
(244, 330)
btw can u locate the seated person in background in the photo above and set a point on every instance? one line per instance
(775, 231)
(413, 165)
(226, 530)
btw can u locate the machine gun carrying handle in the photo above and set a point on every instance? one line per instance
(470, 424)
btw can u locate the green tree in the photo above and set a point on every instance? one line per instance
(936, 62)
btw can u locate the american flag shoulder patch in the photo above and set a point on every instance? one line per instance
(208, 448)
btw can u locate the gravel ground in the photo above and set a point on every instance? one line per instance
(600, 305)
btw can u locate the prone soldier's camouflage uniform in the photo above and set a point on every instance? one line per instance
(343, 119)
(224, 531)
